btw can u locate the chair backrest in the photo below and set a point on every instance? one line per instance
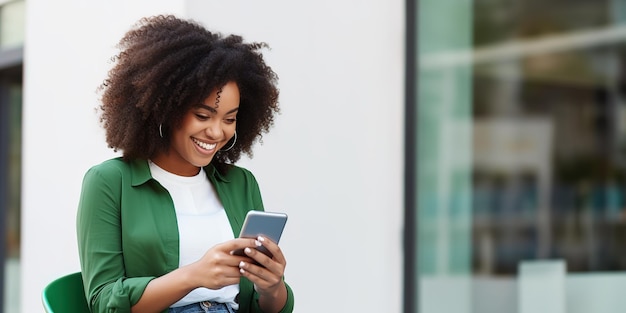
(65, 295)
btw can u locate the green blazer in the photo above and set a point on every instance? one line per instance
(128, 232)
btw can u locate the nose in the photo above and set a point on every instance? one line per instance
(213, 129)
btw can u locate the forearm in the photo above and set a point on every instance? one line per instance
(163, 291)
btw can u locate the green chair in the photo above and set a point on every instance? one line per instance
(65, 295)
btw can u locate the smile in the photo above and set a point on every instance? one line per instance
(203, 145)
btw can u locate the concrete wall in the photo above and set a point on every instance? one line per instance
(333, 162)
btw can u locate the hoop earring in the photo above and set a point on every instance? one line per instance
(161, 130)
(232, 145)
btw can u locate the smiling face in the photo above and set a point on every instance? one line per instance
(204, 130)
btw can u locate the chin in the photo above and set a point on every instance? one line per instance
(204, 163)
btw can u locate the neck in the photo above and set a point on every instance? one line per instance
(166, 163)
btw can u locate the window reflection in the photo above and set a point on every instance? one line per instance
(11, 99)
(12, 15)
(549, 162)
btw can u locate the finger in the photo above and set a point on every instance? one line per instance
(258, 275)
(256, 280)
(235, 260)
(221, 276)
(231, 272)
(251, 269)
(238, 243)
(222, 254)
(236, 246)
(265, 262)
(258, 257)
(273, 248)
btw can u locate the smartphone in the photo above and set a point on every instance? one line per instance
(259, 223)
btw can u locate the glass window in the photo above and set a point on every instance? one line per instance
(12, 15)
(10, 162)
(521, 152)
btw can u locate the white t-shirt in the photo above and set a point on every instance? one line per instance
(202, 223)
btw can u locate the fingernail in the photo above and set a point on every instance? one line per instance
(248, 250)
(241, 271)
(258, 243)
(242, 264)
(261, 239)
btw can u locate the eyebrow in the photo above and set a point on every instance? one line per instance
(213, 110)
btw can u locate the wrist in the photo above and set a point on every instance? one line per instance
(271, 292)
(273, 300)
(189, 279)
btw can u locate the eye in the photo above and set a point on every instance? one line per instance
(202, 117)
(231, 120)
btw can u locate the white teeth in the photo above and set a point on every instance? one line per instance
(206, 146)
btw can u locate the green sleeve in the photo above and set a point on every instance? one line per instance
(249, 298)
(100, 246)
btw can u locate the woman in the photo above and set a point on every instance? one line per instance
(157, 226)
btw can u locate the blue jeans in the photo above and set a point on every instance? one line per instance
(203, 307)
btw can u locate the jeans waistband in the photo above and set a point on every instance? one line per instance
(203, 307)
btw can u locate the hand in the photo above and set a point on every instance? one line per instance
(219, 267)
(267, 276)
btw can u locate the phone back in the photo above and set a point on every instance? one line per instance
(267, 224)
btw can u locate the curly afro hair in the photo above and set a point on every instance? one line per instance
(166, 66)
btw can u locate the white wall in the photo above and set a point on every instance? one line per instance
(67, 51)
(333, 162)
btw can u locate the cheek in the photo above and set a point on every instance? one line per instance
(180, 137)
(230, 131)
(190, 127)
(178, 142)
